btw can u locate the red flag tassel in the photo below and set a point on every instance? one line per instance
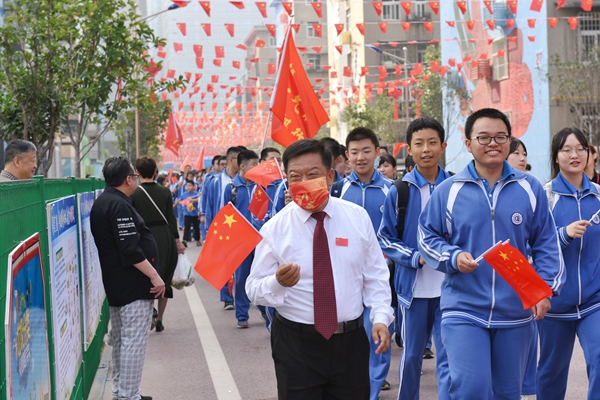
(395, 110)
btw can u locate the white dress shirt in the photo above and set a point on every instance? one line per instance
(360, 273)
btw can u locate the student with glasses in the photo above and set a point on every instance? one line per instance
(575, 202)
(485, 330)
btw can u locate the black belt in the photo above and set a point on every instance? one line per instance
(343, 327)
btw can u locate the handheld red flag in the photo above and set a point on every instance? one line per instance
(512, 265)
(297, 112)
(174, 138)
(229, 240)
(264, 173)
(259, 204)
(397, 147)
(200, 160)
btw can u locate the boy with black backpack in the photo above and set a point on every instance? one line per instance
(418, 286)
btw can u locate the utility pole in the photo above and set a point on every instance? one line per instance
(406, 92)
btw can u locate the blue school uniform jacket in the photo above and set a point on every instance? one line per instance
(463, 215)
(215, 196)
(403, 251)
(245, 191)
(369, 196)
(581, 294)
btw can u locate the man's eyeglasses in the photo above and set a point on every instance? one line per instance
(483, 140)
(582, 151)
(137, 176)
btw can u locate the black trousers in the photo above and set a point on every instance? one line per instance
(308, 367)
(189, 221)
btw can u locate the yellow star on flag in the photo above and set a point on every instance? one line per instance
(504, 256)
(229, 220)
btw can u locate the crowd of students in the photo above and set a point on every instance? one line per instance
(431, 225)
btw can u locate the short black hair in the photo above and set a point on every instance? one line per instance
(116, 170)
(232, 152)
(307, 146)
(245, 156)
(425, 123)
(216, 159)
(161, 180)
(17, 147)
(514, 145)
(222, 158)
(486, 113)
(189, 181)
(361, 133)
(409, 162)
(333, 146)
(384, 148)
(558, 141)
(344, 149)
(146, 166)
(265, 152)
(387, 158)
(242, 147)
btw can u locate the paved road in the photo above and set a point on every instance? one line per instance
(201, 355)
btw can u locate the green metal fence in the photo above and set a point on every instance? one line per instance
(23, 213)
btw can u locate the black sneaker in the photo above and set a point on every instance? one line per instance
(229, 305)
(159, 326)
(385, 385)
(427, 354)
(242, 324)
(398, 341)
(145, 397)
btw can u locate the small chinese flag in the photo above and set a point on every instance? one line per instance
(219, 51)
(451, 24)
(536, 5)
(318, 29)
(406, 6)
(531, 23)
(259, 205)
(262, 7)
(171, 73)
(560, 4)
(230, 29)
(180, 3)
(383, 26)
(488, 5)
(405, 26)
(200, 160)
(271, 28)
(470, 24)
(214, 78)
(198, 50)
(182, 28)
(271, 68)
(339, 49)
(238, 4)
(235, 64)
(206, 28)
(552, 22)
(339, 28)
(347, 72)
(361, 28)
(296, 27)
(428, 26)
(586, 5)
(364, 71)
(178, 47)
(173, 138)
(398, 147)
(259, 43)
(435, 6)
(510, 23)
(462, 5)
(264, 173)
(572, 22)
(217, 62)
(491, 24)
(398, 70)
(378, 6)
(288, 6)
(230, 238)
(511, 265)
(317, 49)
(318, 7)
(512, 5)
(206, 6)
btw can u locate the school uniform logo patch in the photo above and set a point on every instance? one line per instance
(596, 219)
(517, 218)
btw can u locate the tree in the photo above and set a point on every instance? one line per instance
(379, 117)
(578, 84)
(153, 120)
(66, 58)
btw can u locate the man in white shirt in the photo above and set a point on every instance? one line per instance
(324, 264)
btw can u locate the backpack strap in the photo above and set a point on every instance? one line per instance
(336, 188)
(233, 193)
(402, 188)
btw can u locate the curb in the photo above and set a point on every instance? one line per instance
(100, 380)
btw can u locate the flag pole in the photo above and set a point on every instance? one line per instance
(490, 249)
(593, 216)
(262, 145)
(275, 251)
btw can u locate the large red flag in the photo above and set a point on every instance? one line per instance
(297, 111)
(512, 265)
(229, 240)
(264, 173)
(174, 138)
(200, 160)
(259, 204)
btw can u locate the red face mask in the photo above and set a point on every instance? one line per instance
(310, 195)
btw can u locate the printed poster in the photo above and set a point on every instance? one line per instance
(27, 359)
(64, 278)
(91, 275)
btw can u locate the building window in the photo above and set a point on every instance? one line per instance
(390, 10)
(272, 42)
(499, 64)
(310, 31)
(313, 63)
(589, 35)
(421, 50)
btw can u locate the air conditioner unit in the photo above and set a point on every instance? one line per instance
(345, 38)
